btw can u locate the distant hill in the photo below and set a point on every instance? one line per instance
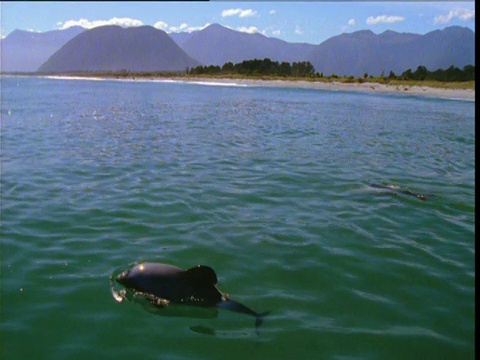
(217, 45)
(113, 48)
(25, 51)
(364, 52)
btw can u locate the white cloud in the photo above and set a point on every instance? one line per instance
(196, 28)
(87, 24)
(460, 13)
(250, 30)
(185, 28)
(272, 12)
(352, 22)
(276, 32)
(240, 12)
(182, 27)
(161, 25)
(384, 19)
(298, 30)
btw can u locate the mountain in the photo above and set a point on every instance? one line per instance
(365, 52)
(25, 51)
(180, 37)
(217, 45)
(453, 45)
(113, 48)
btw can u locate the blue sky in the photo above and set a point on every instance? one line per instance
(311, 22)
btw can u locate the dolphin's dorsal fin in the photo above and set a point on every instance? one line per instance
(202, 274)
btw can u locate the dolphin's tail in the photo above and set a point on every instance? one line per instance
(259, 319)
(233, 305)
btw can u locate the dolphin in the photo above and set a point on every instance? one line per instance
(164, 283)
(396, 189)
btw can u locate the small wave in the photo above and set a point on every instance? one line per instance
(60, 77)
(460, 99)
(213, 83)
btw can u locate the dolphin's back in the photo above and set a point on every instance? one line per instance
(193, 286)
(162, 280)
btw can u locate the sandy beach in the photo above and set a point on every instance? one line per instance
(465, 94)
(370, 87)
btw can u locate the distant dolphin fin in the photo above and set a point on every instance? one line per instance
(396, 189)
(202, 274)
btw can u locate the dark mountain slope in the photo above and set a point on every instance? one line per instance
(113, 48)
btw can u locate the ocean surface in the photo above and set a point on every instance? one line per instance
(271, 187)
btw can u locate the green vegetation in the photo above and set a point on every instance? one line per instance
(266, 67)
(256, 67)
(451, 78)
(451, 74)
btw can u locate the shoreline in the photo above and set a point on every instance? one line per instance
(369, 87)
(366, 87)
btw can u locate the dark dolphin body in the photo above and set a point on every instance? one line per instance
(396, 189)
(163, 283)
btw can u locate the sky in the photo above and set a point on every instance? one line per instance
(311, 22)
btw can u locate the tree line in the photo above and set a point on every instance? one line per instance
(267, 67)
(258, 67)
(453, 73)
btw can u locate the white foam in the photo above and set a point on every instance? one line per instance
(168, 81)
(213, 83)
(459, 99)
(59, 77)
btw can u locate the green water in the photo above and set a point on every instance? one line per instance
(268, 186)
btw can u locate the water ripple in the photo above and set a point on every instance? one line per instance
(268, 186)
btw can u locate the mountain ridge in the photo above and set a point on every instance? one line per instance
(113, 48)
(217, 45)
(408, 51)
(25, 51)
(354, 53)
